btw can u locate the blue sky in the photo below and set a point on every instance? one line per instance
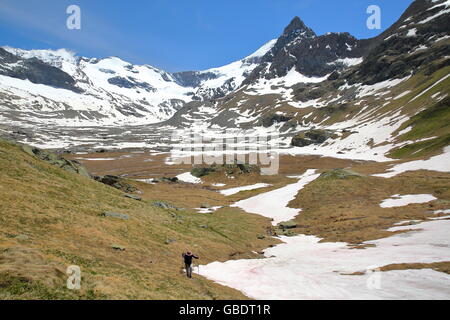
(179, 35)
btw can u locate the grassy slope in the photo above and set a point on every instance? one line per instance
(349, 209)
(431, 123)
(59, 213)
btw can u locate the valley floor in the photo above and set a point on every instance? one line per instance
(380, 234)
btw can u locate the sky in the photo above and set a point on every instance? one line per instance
(180, 35)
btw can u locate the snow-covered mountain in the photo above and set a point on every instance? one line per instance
(56, 86)
(363, 93)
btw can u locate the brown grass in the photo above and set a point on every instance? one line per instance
(59, 213)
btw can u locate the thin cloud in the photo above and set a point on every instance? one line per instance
(49, 20)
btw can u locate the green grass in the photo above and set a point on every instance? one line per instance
(421, 149)
(432, 122)
(22, 288)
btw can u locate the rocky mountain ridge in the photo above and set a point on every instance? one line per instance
(363, 91)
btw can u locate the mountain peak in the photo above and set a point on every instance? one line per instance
(298, 26)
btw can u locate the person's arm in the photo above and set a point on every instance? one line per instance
(196, 257)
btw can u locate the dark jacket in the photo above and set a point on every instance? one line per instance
(188, 258)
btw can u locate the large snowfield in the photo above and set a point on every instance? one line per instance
(304, 268)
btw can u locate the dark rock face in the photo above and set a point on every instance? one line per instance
(299, 47)
(386, 56)
(393, 53)
(315, 136)
(35, 71)
(193, 78)
(130, 83)
(275, 118)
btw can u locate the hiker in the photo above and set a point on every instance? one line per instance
(187, 256)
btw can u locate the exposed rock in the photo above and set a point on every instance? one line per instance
(287, 225)
(169, 241)
(261, 236)
(132, 196)
(56, 160)
(274, 118)
(165, 205)
(314, 136)
(36, 71)
(118, 247)
(289, 233)
(205, 206)
(130, 83)
(116, 182)
(333, 76)
(115, 215)
(340, 174)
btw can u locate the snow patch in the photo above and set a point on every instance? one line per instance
(229, 192)
(400, 201)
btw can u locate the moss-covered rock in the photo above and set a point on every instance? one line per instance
(340, 174)
(202, 171)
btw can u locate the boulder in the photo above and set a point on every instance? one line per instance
(116, 182)
(118, 247)
(165, 205)
(287, 225)
(115, 215)
(274, 118)
(132, 196)
(340, 174)
(314, 136)
(169, 241)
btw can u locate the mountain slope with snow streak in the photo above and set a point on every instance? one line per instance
(108, 91)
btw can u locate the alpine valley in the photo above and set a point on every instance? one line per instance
(89, 177)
